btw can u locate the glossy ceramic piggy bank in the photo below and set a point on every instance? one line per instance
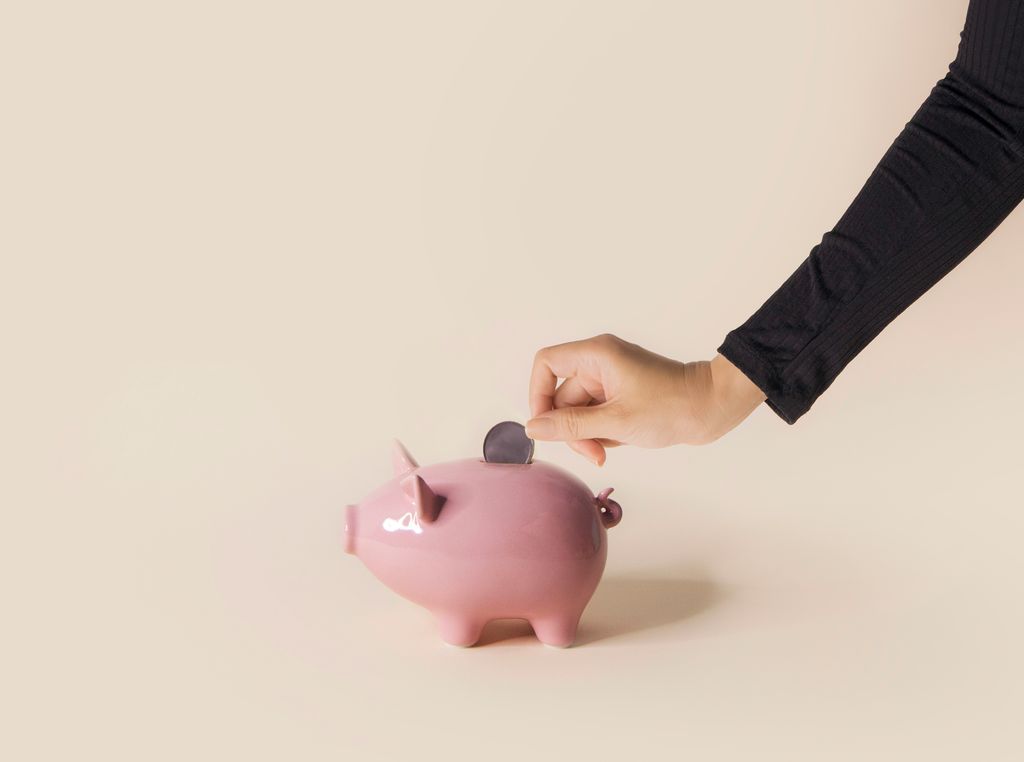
(474, 541)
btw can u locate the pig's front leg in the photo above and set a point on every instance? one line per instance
(459, 630)
(557, 630)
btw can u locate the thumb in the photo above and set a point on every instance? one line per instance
(568, 424)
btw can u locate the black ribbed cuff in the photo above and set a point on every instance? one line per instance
(788, 405)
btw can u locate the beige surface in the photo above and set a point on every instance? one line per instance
(244, 244)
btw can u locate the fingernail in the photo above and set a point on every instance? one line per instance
(540, 428)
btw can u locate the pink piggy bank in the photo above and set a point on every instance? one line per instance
(474, 541)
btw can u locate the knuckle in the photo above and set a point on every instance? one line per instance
(571, 423)
(606, 344)
(540, 357)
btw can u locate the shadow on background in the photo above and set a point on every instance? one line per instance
(627, 605)
(622, 606)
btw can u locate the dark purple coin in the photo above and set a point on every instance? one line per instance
(507, 442)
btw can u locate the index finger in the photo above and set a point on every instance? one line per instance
(550, 364)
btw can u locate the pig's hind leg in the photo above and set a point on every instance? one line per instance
(558, 630)
(459, 630)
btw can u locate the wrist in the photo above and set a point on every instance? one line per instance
(735, 395)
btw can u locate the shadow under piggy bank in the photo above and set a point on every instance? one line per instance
(623, 606)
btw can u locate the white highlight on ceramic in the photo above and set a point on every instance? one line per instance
(408, 523)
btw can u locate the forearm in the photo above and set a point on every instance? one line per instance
(950, 177)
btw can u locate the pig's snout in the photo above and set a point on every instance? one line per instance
(350, 528)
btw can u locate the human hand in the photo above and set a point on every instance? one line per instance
(617, 393)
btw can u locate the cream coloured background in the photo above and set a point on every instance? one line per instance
(244, 244)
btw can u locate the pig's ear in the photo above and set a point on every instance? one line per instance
(401, 461)
(428, 505)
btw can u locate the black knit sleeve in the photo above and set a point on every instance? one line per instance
(947, 181)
